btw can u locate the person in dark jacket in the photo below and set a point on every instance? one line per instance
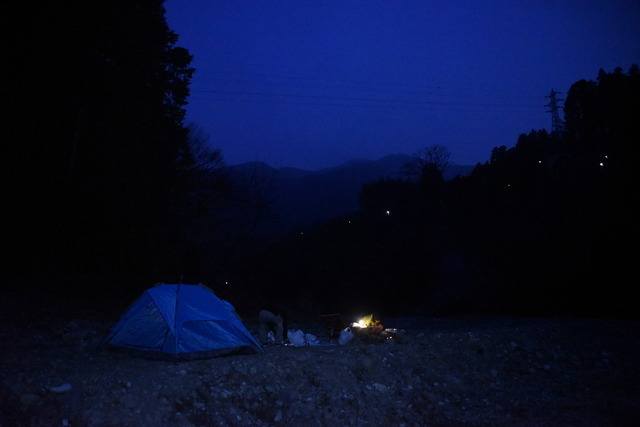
(271, 319)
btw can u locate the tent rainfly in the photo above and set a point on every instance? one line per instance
(182, 321)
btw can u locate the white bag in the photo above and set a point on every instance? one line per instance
(311, 339)
(345, 336)
(296, 337)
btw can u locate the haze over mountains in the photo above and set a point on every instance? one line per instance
(294, 198)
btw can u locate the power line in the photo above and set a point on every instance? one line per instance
(289, 77)
(462, 109)
(265, 96)
(294, 95)
(307, 90)
(291, 80)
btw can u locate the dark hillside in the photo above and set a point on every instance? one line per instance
(299, 198)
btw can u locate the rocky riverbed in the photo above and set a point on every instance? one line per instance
(471, 371)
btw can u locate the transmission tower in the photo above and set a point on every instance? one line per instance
(556, 123)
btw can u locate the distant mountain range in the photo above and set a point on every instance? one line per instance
(297, 197)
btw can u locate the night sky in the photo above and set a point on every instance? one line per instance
(312, 84)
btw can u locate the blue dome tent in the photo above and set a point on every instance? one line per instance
(182, 321)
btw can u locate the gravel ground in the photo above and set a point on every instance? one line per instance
(451, 372)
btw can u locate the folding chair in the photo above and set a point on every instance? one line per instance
(333, 324)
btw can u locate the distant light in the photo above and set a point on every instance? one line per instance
(388, 213)
(539, 161)
(601, 164)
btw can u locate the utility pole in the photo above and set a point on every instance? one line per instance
(557, 126)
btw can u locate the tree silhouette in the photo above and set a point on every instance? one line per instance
(434, 157)
(95, 130)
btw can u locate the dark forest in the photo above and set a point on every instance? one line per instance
(106, 191)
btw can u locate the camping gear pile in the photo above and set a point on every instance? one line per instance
(297, 338)
(370, 330)
(189, 321)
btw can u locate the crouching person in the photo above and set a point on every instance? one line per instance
(271, 320)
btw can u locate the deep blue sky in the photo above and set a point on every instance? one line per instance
(312, 83)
